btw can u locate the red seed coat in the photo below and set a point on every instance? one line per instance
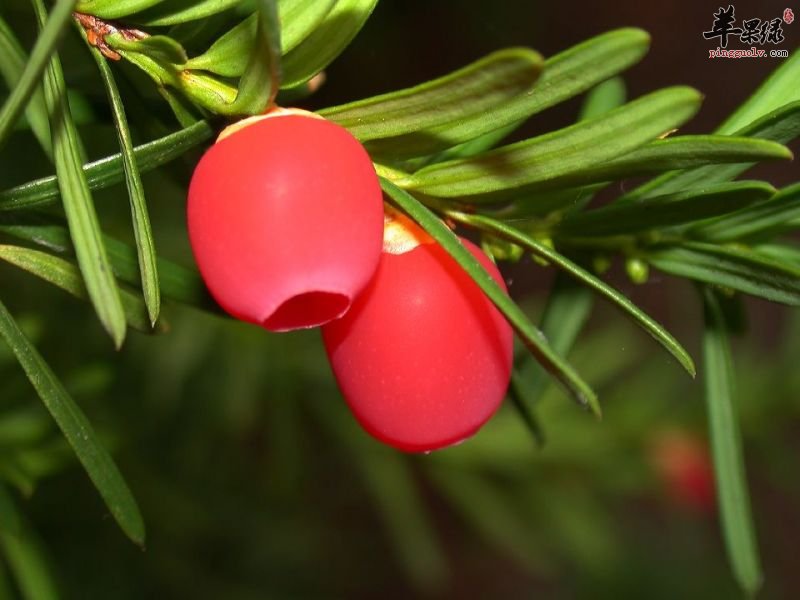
(422, 358)
(285, 220)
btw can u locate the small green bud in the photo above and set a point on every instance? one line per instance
(501, 249)
(601, 263)
(638, 270)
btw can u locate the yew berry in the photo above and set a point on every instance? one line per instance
(683, 464)
(285, 218)
(422, 358)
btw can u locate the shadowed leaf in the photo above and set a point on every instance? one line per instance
(76, 429)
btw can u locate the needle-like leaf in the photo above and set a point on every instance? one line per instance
(77, 430)
(299, 19)
(771, 113)
(12, 65)
(31, 76)
(66, 276)
(182, 11)
(560, 153)
(109, 170)
(177, 283)
(23, 554)
(603, 98)
(228, 56)
(781, 125)
(563, 76)
(261, 79)
(735, 268)
(785, 253)
(779, 89)
(686, 151)
(77, 201)
(666, 211)
(498, 84)
(569, 305)
(145, 245)
(764, 219)
(732, 495)
(326, 42)
(515, 236)
(113, 9)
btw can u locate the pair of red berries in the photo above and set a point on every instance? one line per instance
(286, 221)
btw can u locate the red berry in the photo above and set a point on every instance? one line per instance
(423, 358)
(285, 219)
(684, 466)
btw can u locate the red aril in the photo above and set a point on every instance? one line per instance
(422, 358)
(285, 218)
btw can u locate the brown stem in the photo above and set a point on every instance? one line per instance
(97, 29)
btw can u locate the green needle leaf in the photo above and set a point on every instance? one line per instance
(326, 42)
(506, 232)
(299, 19)
(665, 211)
(527, 332)
(734, 268)
(691, 150)
(496, 84)
(588, 64)
(660, 155)
(182, 108)
(143, 233)
(26, 85)
(109, 170)
(182, 11)
(603, 98)
(77, 201)
(600, 100)
(568, 200)
(565, 75)
(66, 276)
(24, 556)
(77, 430)
(781, 125)
(560, 153)
(12, 65)
(160, 48)
(176, 282)
(477, 145)
(781, 252)
(726, 446)
(113, 9)
(228, 55)
(762, 220)
(779, 89)
(772, 113)
(569, 305)
(519, 400)
(261, 79)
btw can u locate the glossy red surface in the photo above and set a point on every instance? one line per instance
(422, 358)
(285, 220)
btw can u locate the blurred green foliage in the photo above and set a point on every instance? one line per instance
(256, 482)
